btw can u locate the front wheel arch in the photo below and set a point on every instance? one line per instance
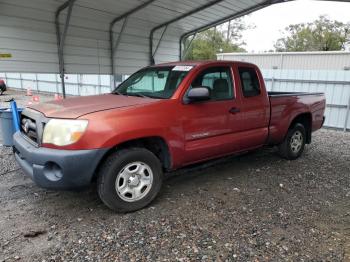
(157, 145)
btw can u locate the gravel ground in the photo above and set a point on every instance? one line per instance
(255, 207)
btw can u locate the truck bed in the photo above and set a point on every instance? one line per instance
(285, 106)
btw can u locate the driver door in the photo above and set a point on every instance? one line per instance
(206, 124)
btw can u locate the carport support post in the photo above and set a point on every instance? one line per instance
(347, 115)
(153, 53)
(174, 20)
(6, 82)
(228, 18)
(21, 80)
(37, 83)
(184, 54)
(61, 39)
(114, 47)
(272, 83)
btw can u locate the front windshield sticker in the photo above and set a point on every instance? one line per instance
(182, 68)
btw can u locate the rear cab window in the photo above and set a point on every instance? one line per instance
(249, 81)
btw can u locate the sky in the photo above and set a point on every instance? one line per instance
(271, 21)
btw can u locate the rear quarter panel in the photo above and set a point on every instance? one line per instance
(284, 109)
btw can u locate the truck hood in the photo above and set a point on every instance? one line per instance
(79, 106)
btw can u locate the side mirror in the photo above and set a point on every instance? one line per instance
(197, 94)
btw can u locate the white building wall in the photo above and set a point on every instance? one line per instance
(337, 60)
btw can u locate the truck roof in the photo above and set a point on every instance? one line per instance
(204, 62)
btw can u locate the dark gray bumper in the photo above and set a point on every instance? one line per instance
(56, 169)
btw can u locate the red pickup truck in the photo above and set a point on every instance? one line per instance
(161, 118)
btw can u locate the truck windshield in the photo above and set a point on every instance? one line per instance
(154, 82)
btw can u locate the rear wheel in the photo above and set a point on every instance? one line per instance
(294, 142)
(129, 179)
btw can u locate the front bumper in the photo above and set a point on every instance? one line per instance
(56, 169)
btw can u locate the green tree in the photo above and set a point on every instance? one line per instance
(321, 35)
(212, 41)
(233, 30)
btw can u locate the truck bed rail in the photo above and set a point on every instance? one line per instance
(274, 94)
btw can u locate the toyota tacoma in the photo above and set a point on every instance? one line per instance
(161, 118)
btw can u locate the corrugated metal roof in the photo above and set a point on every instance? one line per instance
(27, 32)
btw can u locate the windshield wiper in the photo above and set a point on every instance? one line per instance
(138, 95)
(117, 93)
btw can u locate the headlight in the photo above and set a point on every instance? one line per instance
(61, 132)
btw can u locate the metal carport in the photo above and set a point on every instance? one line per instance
(105, 36)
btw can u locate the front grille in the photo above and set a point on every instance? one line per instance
(32, 125)
(29, 128)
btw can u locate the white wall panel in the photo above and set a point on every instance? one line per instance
(337, 92)
(336, 60)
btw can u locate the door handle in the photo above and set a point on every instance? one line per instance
(234, 110)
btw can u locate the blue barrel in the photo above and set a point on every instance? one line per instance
(7, 127)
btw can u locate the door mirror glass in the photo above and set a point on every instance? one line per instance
(197, 94)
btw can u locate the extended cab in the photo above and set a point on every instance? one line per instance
(161, 118)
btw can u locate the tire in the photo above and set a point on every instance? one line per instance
(129, 179)
(294, 143)
(2, 89)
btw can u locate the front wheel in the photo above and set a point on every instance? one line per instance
(130, 179)
(294, 143)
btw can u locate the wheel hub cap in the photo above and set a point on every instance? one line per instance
(134, 181)
(296, 142)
